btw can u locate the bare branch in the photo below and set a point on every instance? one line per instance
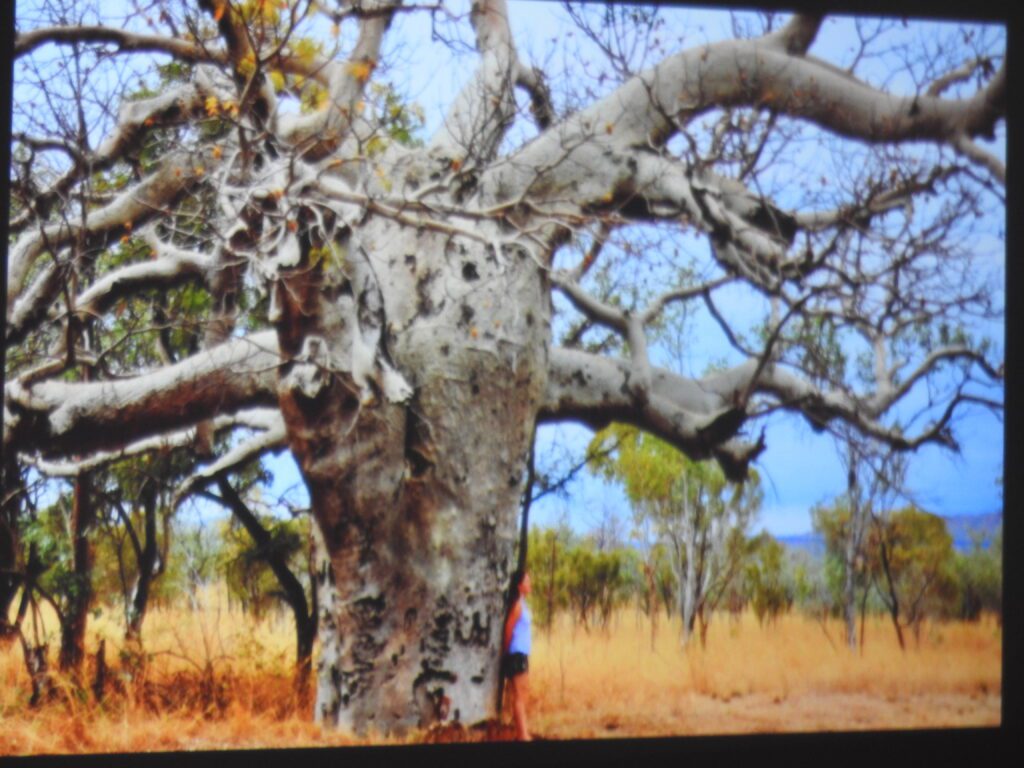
(60, 418)
(798, 34)
(125, 41)
(273, 438)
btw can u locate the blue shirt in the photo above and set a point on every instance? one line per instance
(521, 632)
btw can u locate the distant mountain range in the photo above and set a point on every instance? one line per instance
(963, 528)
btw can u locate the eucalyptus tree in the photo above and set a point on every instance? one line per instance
(383, 306)
(696, 513)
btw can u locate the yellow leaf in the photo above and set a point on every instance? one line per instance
(277, 78)
(217, 152)
(360, 70)
(212, 106)
(199, 170)
(375, 146)
(247, 65)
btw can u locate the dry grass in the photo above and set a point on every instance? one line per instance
(216, 679)
(794, 675)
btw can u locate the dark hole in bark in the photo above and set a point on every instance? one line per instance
(445, 349)
(466, 314)
(416, 439)
(529, 318)
(410, 259)
(469, 272)
(369, 611)
(475, 389)
(410, 620)
(424, 304)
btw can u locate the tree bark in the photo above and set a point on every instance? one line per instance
(416, 501)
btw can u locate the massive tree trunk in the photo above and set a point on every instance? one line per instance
(416, 500)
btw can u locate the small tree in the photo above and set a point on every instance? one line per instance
(979, 575)
(912, 565)
(698, 515)
(546, 560)
(765, 579)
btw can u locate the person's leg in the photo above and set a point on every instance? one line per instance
(520, 692)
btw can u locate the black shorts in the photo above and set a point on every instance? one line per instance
(514, 664)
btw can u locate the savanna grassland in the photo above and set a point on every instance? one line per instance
(215, 679)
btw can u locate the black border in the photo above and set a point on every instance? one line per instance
(947, 746)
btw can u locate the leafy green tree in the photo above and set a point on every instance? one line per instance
(596, 582)
(979, 575)
(913, 566)
(546, 561)
(765, 579)
(699, 516)
(845, 569)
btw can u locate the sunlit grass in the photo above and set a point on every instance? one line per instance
(628, 687)
(215, 678)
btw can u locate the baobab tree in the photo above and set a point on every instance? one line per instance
(248, 253)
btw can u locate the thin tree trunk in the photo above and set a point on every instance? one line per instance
(73, 626)
(894, 602)
(294, 594)
(863, 617)
(10, 577)
(146, 561)
(852, 553)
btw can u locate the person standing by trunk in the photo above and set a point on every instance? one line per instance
(515, 662)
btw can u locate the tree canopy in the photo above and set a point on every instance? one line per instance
(231, 233)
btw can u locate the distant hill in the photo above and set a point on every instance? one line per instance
(811, 543)
(963, 529)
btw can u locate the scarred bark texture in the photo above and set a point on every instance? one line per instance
(416, 501)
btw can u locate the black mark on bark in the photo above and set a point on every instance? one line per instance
(416, 444)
